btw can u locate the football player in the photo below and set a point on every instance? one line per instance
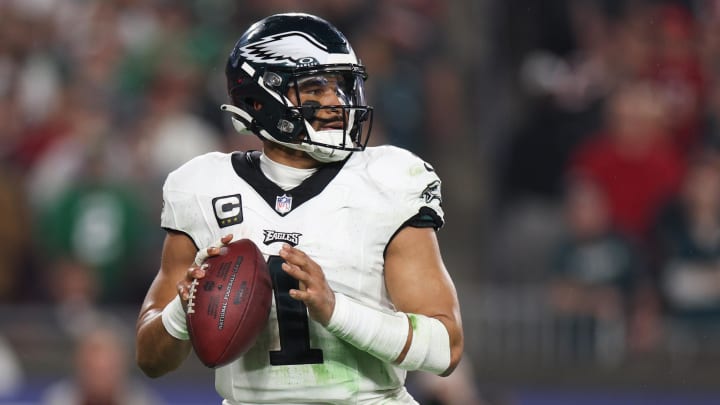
(361, 294)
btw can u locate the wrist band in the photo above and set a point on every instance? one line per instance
(430, 347)
(175, 320)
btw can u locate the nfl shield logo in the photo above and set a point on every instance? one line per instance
(283, 204)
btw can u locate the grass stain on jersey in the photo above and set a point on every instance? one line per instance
(333, 373)
(413, 322)
(417, 170)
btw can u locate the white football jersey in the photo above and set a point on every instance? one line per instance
(343, 216)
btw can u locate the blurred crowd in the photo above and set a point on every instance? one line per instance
(600, 121)
(100, 100)
(610, 184)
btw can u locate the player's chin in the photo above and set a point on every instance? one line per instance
(291, 151)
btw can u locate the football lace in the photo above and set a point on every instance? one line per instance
(191, 297)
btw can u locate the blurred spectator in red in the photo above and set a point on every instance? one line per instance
(633, 159)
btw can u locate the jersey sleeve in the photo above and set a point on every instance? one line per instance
(413, 185)
(181, 210)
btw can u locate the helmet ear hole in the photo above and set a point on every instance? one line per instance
(253, 103)
(236, 98)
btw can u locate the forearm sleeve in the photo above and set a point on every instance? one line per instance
(384, 335)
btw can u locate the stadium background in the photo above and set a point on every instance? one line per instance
(512, 101)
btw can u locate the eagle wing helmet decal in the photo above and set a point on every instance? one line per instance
(292, 48)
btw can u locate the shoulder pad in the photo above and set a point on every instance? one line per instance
(413, 182)
(181, 210)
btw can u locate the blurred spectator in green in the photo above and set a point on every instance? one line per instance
(688, 235)
(101, 225)
(88, 210)
(594, 265)
(593, 274)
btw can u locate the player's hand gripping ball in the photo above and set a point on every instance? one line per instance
(229, 307)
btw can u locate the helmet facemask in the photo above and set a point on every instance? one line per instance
(294, 111)
(332, 104)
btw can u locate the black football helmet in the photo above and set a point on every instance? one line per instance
(268, 68)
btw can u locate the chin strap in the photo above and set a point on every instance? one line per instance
(320, 153)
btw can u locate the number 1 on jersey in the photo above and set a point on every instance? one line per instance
(292, 321)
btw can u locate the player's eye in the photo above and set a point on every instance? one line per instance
(321, 86)
(310, 82)
(314, 90)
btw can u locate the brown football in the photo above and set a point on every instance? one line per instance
(230, 305)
